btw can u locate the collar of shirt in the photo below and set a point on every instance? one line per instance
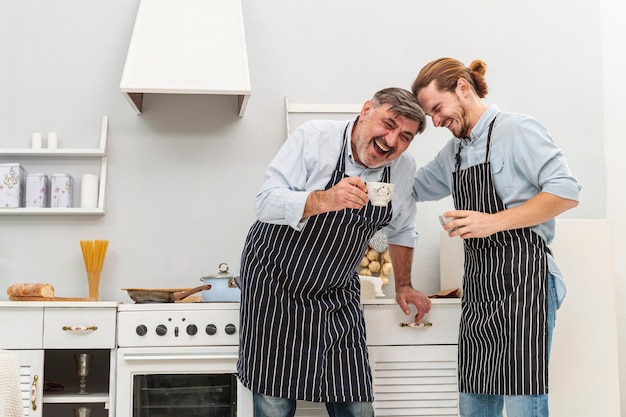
(482, 126)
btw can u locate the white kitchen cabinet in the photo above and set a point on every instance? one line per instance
(37, 156)
(31, 381)
(415, 380)
(50, 334)
(414, 369)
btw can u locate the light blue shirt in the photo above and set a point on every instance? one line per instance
(306, 162)
(524, 161)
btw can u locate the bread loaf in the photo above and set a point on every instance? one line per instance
(31, 290)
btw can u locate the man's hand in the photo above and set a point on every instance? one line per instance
(468, 224)
(542, 207)
(406, 295)
(350, 192)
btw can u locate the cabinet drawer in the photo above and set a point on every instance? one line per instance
(25, 322)
(383, 321)
(79, 328)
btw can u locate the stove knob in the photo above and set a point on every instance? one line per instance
(192, 329)
(211, 329)
(230, 329)
(141, 330)
(161, 330)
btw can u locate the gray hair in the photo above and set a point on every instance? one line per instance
(403, 103)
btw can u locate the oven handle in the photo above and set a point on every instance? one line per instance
(139, 357)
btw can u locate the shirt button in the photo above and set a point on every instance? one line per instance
(471, 147)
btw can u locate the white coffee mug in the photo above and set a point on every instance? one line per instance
(380, 193)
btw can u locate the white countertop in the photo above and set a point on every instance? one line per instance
(64, 304)
(385, 300)
(115, 304)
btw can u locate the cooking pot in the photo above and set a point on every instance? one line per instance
(223, 286)
(162, 295)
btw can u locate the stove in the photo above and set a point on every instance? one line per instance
(179, 356)
(178, 324)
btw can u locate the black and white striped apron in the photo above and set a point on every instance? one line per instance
(503, 335)
(302, 330)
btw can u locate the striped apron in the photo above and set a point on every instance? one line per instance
(302, 329)
(503, 335)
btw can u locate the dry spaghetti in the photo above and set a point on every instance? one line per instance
(94, 252)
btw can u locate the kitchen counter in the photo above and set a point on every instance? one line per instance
(65, 304)
(386, 301)
(96, 304)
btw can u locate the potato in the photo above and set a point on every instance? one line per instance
(372, 254)
(386, 257)
(365, 271)
(374, 266)
(387, 268)
(364, 261)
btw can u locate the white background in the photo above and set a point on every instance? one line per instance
(183, 176)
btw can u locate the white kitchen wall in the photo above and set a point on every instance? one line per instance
(183, 175)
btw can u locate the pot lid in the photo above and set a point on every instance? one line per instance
(222, 272)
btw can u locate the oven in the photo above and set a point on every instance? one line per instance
(179, 360)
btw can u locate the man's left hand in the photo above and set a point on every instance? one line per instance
(406, 295)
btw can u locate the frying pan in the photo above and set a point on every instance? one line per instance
(162, 295)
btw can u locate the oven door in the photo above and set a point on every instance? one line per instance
(181, 382)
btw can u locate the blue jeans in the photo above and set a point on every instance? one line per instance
(485, 405)
(266, 406)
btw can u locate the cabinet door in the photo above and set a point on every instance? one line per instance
(415, 380)
(31, 381)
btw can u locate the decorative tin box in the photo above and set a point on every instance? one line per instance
(36, 190)
(61, 190)
(11, 185)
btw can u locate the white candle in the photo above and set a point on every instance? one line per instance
(89, 191)
(36, 140)
(52, 140)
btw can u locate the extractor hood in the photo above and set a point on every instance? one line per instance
(187, 47)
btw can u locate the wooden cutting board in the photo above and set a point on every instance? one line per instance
(17, 298)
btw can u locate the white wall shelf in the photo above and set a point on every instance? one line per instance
(316, 108)
(100, 152)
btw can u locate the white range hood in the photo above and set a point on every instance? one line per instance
(187, 47)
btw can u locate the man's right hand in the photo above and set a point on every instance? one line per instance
(350, 192)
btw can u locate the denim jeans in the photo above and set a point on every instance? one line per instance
(484, 405)
(266, 406)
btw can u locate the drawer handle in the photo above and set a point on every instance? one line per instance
(80, 328)
(33, 392)
(416, 325)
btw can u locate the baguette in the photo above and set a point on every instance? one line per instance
(31, 290)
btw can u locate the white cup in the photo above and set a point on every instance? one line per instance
(380, 193)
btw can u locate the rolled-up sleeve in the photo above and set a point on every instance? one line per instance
(539, 161)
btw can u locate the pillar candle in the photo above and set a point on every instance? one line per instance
(89, 191)
(52, 140)
(36, 140)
